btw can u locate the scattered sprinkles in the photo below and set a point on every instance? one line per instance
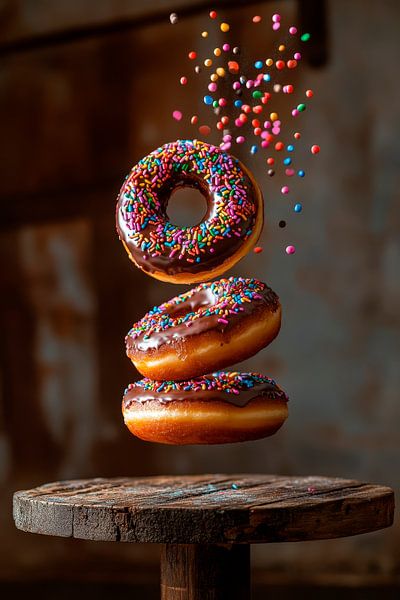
(255, 119)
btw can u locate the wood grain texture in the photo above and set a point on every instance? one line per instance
(205, 509)
(205, 572)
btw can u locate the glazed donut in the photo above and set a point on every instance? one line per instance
(231, 226)
(215, 409)
(212, 326)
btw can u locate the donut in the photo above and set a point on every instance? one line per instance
(214, 409)
(212, 326)
(229, 229)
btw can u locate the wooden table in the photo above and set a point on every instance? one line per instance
(205, 523)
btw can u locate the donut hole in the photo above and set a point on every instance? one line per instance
(203, 298)
(187, 206)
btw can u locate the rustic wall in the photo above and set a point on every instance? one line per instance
(74, 118)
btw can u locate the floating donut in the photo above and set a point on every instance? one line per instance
(212, 326)
(215, 409)
(231, 226)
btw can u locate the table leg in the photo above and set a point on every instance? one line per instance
(205, 572)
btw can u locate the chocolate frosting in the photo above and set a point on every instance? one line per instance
(269, 390)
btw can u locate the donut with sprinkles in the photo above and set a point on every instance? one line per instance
(210, 327)
(214, 409)
(230, 228)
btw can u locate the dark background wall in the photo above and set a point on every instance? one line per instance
(87, 89)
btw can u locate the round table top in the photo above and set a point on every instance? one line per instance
(205, 509)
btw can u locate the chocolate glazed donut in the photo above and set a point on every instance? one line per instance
(215, 409)
(212, 326)
(231, 226)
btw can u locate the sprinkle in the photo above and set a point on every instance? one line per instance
(194, 119)
(183, 80)
(177, 115)
(192, 55)
(280, 64)
(208, 100)
(276, 18)
(297, 135)
(301, 107)
(208, 62)
(300, 173)
(305, 37)
(173, 17)
(282, 48)
(233, 66)
(285, 189)
(204, 34)
(270, 172)
(257, 250)
(290, 250)
(204, 130)
(236, 50)
(282, 224)
(298, 208)
(217, 51)
(258, 64)
(226, 47)
(213, 14)
(315, 149)
(309, 93)
(292, 30)
(234, 486)
(224, 27)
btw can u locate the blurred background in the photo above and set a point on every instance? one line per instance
(88, 88)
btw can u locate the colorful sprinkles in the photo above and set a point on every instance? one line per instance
(255, 118)
(230, 382)
(227, 298)
(142, 219)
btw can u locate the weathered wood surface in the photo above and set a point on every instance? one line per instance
(205, 572)
(205, 509)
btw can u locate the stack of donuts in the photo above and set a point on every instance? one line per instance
(181, 346)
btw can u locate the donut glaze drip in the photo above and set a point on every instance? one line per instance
(217, 305)
(152, 241)
(232, 387)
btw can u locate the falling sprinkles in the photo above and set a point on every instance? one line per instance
(257, 84)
